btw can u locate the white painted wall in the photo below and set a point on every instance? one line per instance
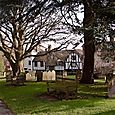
(26, 63)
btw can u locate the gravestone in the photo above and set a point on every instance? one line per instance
(39, 76)
(49, 76)
(29, 77)
(111, 88)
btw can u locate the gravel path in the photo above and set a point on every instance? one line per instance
(4, 110)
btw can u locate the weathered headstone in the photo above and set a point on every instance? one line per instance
(45, 76)
(111, 88)
(28, 77)
(9, 76)
(64, 74)
(49, 76)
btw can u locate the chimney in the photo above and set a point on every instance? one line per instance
(49, 47)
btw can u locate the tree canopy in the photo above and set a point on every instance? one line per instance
(22, 29)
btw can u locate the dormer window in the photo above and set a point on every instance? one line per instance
(73, 57)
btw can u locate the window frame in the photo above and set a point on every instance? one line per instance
(36, 64)
(41, 64)
(73, 63)
(29, 62)
(73, 57)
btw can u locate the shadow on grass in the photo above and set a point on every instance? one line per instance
(23, 100)
(87, 97)
(111, 112)
(64, 106)
(93, 90)
(92, 95)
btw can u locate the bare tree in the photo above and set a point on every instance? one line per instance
(21, 30)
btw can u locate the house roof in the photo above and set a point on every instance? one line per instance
(52, 57)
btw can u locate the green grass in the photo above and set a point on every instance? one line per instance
(23, 100)
(71, 76)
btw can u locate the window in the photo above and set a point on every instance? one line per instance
(41, 64)
(36, 64)
(25, 68)
(59, 62)
(29, 62)
(73, 57)
(73, 64)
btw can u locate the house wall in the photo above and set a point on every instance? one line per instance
(28, 61)
(38, 67)
(59, 67)
(71, 63)
(28, 64)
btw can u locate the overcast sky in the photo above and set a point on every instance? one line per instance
(80, 16)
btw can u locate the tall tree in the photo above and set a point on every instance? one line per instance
(70, 14)
(89, 47)
(23, 26)
(96, 25)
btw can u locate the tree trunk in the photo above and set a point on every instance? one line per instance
(89, 47)
(17, 68)
(20, 68)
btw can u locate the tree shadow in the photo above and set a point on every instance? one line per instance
(111, 112)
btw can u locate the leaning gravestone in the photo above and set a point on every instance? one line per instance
(111, 88)
(9, 76)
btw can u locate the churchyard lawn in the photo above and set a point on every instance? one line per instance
(25, 100)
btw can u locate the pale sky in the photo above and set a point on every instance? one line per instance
(80, 16)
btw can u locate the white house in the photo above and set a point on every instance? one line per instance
(59, 61)
(28, 62)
